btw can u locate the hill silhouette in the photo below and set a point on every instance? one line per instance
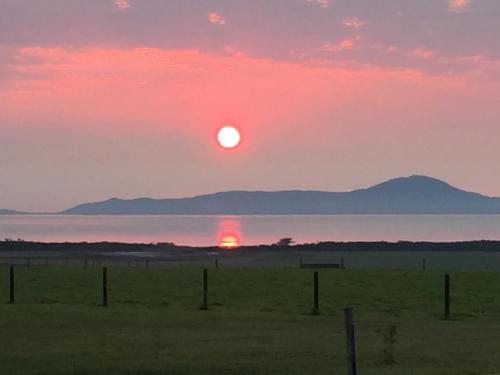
(405, 195)
(9, 212)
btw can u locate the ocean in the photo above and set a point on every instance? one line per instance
(206, 230)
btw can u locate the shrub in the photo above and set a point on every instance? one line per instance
(389, 337)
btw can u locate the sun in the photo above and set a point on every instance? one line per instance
(228, 137)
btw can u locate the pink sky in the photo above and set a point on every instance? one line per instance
(123, 98)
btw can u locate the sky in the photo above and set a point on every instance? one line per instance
(106, 98)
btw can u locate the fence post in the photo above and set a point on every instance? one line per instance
(447, 296)
(342, 263)
(204, 305)
(350, 342)
(316, 293)
(11, 284)
(424, 265)
(147, 263)
(216, 263)
(85, 265)
(104, 287)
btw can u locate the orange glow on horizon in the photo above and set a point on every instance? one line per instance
(88, 81)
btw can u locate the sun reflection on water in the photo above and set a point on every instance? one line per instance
(228, 234)
(228, 241)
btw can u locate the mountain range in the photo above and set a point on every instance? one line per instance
(405, 195)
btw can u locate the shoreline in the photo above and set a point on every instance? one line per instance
(351, 246)
(469, 255)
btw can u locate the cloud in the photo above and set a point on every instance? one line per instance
(342, 45)
(346, 44)
(369, 35)
(216, 18)
(321, 3)
(234, 51)
(382, 47)
(458, 6)
(122, 4)
(421, 53)
(353, 22)
(276, 36)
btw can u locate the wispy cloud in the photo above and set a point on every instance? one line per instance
(216, 18)
(353, 22)
(122, 4)
(234, 51)
(349, 32)
(342, 45)
(421, 53)
(382, 47)
(321, 3)
(458, 6)
(346, 44)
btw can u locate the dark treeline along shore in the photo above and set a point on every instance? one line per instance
(99, 247)
(473, 255)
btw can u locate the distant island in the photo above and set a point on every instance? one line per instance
(405, 195)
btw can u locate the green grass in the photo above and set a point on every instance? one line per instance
(412, 260)
(259, 322)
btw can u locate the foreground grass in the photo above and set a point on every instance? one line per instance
(259, 322)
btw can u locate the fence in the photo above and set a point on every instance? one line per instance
(205, 288)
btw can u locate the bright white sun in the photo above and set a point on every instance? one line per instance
(228, 137)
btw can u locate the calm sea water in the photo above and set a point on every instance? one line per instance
(250, 230)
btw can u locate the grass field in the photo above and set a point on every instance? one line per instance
(259, 322)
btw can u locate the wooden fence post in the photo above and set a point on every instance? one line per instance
(424, 265)
(104, 287)
(11, 284)
(204, 305)
(350, 342)
(85, 265)
(316, 293)
(216, 263)
(447, 296)
(147, 263)
(342, 263)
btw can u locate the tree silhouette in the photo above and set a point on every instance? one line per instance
(285, 242)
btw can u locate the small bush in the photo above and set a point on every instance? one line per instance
(389, 337)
